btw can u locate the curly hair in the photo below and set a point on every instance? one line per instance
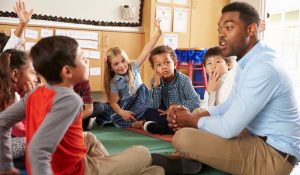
(161, 50)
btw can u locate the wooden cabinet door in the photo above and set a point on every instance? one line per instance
(204, 22)
(132, 43)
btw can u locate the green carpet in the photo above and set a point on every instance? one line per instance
(116, 140)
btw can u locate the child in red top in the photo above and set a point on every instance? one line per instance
(54, 138)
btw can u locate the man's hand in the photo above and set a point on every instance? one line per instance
(179, 117)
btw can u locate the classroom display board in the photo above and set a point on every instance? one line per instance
(93, 43)
(123, 13)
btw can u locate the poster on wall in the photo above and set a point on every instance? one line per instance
(171, 40)
(180, 2)
(164, 1)
(164, 14)
(180, 20)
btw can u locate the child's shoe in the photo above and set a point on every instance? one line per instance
(153, 127)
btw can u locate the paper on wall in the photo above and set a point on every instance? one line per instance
(164, 14)
(46, 33)
(86, 53)
(181, 2)
(94, 71)
(33, 34)
(171, 40)
(88, 44)
(164, 1)
(60, 32)
(180, 20)
(94, 55)
(85, 35)
(29, 45)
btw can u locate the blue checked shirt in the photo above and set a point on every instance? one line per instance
(179, 91)
(262, 100)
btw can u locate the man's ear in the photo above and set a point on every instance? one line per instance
(66, 72)
(14, 75)
(252, 29)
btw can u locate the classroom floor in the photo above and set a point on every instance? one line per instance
(116, 140)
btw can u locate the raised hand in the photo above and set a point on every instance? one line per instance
(157, 25)
(23, 14)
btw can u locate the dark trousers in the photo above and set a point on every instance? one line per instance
(98, 110)
(153, 115)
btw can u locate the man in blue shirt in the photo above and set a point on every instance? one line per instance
(257, 130)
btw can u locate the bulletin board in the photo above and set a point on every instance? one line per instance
(89, 41)
(92, 12)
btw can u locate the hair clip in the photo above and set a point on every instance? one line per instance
(105, 58)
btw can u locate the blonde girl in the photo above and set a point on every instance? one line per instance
(126, 92)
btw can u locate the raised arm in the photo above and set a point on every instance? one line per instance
(24, 17)
(150, 45)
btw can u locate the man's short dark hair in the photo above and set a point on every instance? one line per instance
(51, 54)
(248, 13)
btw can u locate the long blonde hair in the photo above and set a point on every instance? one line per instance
(109, 73)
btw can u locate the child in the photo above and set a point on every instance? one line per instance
(90, 108)
(54, 139)
(17, 76)
(169, 86)
(16, 39)
(220, 78)
(127, 95)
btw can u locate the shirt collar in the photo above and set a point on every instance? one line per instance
(118, 77)
(249, 56)
(176, 73)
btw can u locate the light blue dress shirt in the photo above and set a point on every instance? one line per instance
(262, 100)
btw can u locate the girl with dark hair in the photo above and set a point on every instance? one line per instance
(17, 76)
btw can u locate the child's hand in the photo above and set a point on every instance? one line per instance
(127, 115)
(156, 78)
(213, 82)
(162, 112)
(11, 171)
(20, 9)
(28, 86)
(157, 25)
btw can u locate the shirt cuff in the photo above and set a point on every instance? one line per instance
(213, 111)
(201, 123)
